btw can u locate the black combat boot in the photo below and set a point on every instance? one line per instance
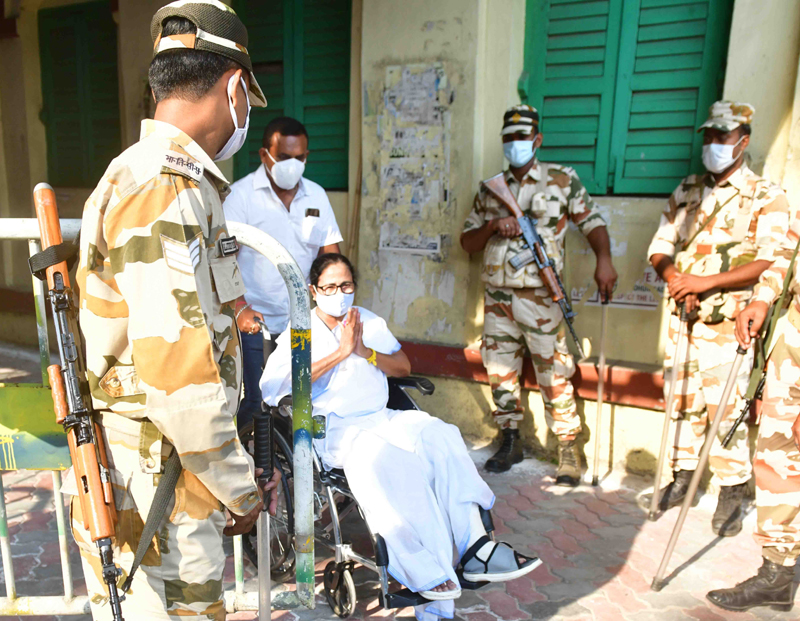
(568, 473)
(673, 494)
(510, 452)
(773, 586)
(727, 520)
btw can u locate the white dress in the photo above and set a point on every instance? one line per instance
(411, 472)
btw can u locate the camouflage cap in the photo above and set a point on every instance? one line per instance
(522, 119)
(728, 115)
(219, 30)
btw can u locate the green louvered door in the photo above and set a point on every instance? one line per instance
(80, 92)
(670, 71)
(301, 58)
(571, 57)
(622, 85)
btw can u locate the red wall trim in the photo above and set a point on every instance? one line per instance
(623, 385)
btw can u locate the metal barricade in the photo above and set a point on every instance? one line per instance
(237, 600)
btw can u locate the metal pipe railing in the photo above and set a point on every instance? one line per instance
(27, 229)
(300, 316)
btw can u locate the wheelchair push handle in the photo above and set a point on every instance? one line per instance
(263, 443)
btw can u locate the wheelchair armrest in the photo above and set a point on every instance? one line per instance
(423, 384)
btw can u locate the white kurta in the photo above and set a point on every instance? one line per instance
(411, 472)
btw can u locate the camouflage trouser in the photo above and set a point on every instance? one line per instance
(701, 380)
(181, 574)
(777, 462)
(514, 319)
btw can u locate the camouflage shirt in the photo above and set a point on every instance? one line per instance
(770, 284)
(553, 195)
(157, 305)
(752, 216)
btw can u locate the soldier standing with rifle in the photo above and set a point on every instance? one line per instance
(519, 309)
(159, 283)
(777, 460)
(727, 222)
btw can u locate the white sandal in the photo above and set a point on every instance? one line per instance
(441, 595)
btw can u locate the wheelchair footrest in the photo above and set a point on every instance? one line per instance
(402, 599)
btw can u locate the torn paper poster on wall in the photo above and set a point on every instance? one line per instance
(394, 239)
(414, 134)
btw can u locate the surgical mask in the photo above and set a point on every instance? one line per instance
(719, 157)
(287, 173)
(519, 152)
(335, 305)
(239, 135)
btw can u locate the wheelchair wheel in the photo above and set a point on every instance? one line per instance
(339, 588)
(282, 558)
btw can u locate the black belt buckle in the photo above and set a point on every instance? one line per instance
(228, 246)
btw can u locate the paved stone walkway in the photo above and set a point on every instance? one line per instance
(599, 551)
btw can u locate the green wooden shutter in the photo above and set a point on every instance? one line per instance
(266, 42)
(80, 92)
(322, 88)
(570, 58)
(672, 55)
(301, 58)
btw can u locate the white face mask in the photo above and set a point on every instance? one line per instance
(287, 173)
(719, 157)
(239, 135)
(335, 305)
(519, 152)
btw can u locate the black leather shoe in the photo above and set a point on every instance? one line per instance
(727, 520)
(510, 452)
(568, 473)
(771, 586)
(673, 494)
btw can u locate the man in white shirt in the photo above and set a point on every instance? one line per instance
(296, 212)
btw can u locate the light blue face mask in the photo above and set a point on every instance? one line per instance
(519, 152)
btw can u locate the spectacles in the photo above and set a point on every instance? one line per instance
(346, 287)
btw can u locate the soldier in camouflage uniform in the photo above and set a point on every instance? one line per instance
(158, 282)
(518, 309)
(726, 222)
(777, 461)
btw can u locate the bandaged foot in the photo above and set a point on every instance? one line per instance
(487, 561)
(446, 590)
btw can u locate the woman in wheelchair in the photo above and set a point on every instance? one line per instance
(410, 472)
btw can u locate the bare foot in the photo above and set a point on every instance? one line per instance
(444, 587)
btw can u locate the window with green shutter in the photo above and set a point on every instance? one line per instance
(78, 51)
(667, 69)
(301, 56)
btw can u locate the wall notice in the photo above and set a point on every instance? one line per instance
(646, 293)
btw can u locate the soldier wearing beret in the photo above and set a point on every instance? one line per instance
(717, 234)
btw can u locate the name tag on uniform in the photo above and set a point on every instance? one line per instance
(181, 164)
(228, 246)
(314, 213)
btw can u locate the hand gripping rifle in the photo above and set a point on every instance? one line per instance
(535, 251)
(764, 346)
(71, 398)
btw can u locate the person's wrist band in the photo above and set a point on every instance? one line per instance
(373, 359)
(241, 310)
(240, 303)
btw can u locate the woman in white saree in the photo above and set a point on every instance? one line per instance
(410, 472)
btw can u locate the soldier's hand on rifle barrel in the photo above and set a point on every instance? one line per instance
(749, 322)
(507, 227)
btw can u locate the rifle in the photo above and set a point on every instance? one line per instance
(535, 251)
(72, 400)
(758, 377)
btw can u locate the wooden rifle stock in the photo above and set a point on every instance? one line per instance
(72, 403)
(498, 188)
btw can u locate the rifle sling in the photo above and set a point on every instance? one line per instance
(65, 251)
(158, 508)
(760, 362)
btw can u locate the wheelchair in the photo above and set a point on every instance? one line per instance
(333, 503)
